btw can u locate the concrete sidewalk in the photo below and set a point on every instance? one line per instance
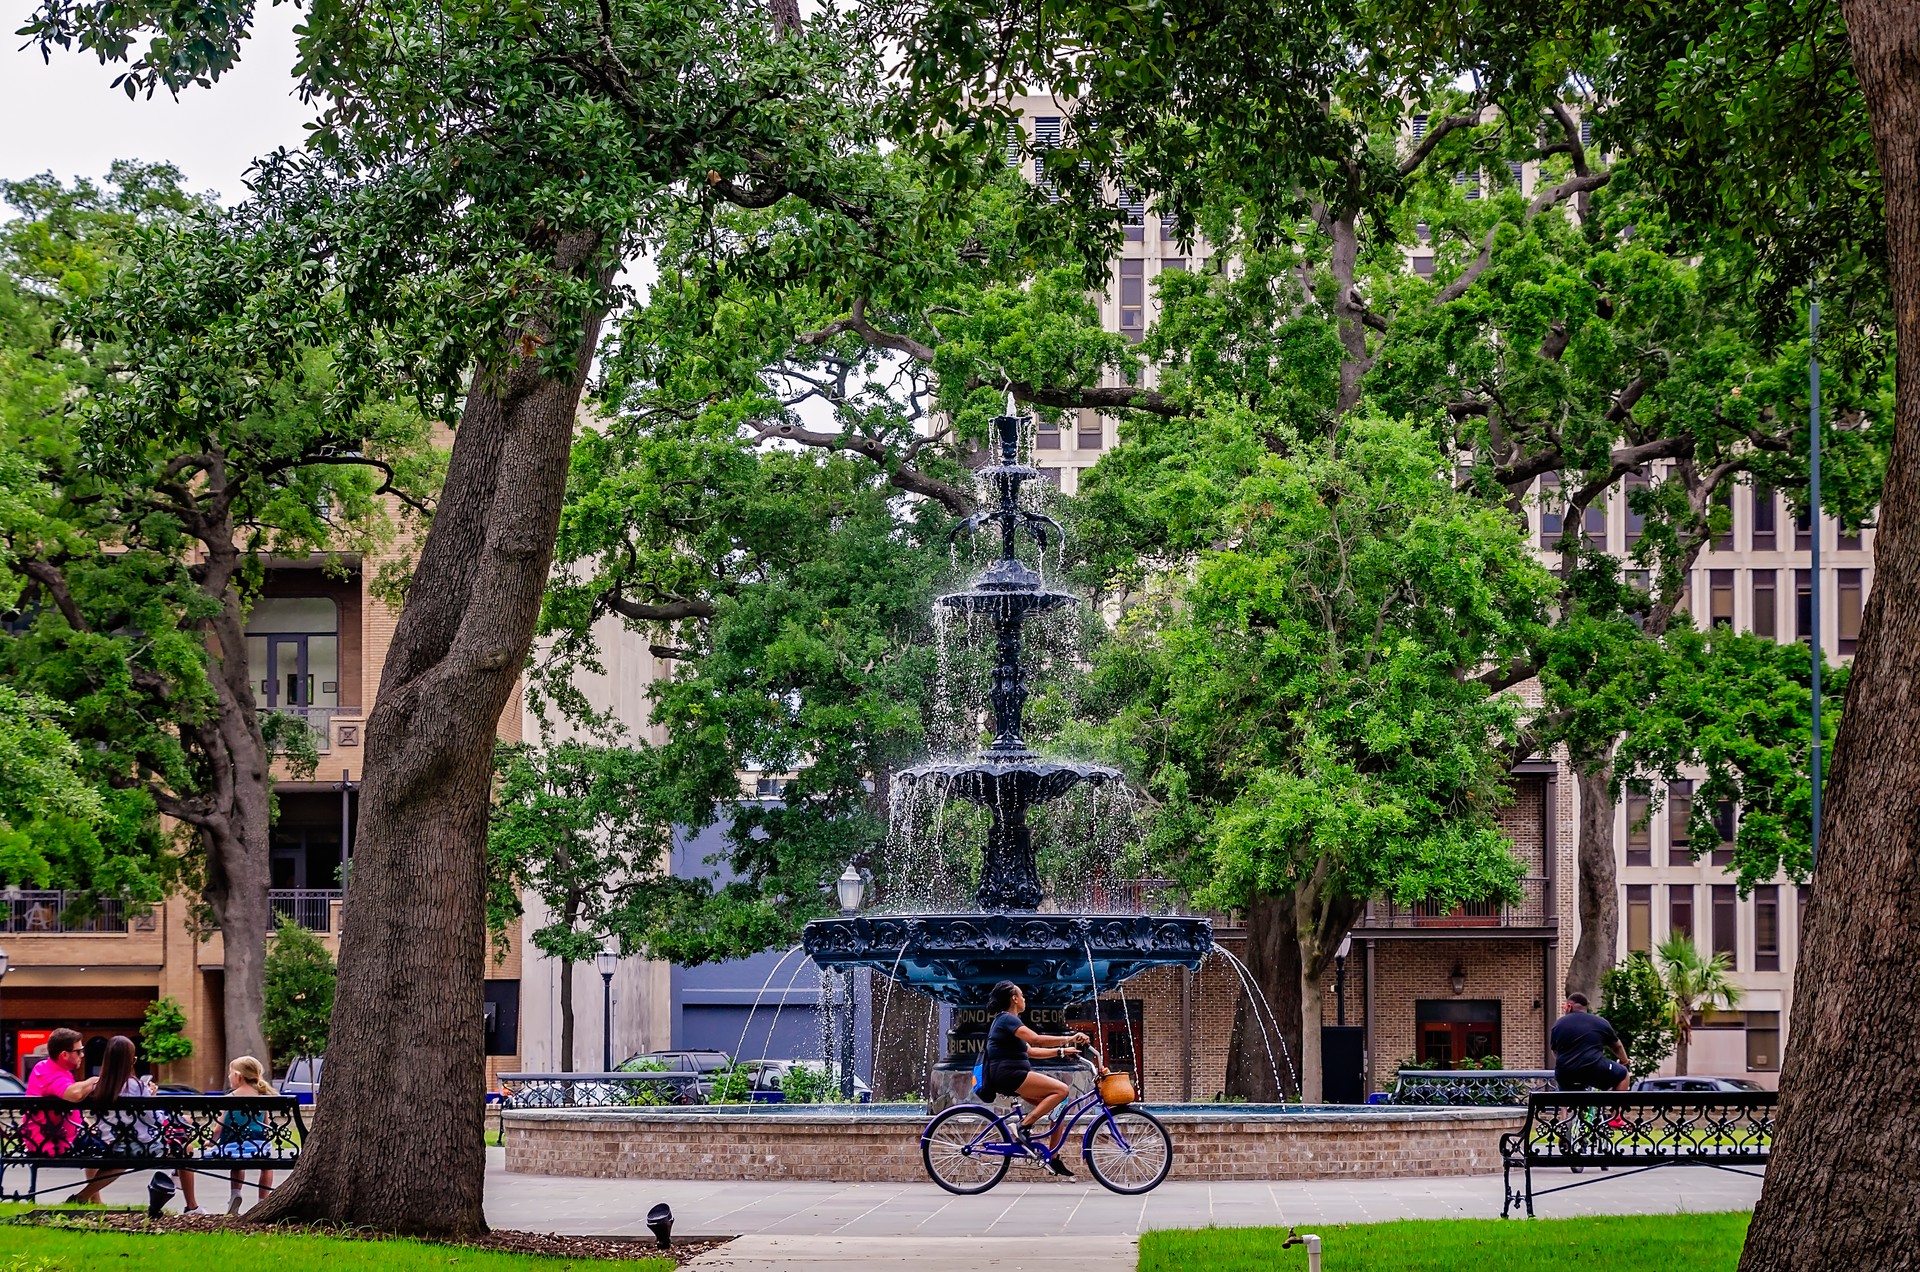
(920, 1228)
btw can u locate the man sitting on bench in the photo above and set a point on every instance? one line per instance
(1580, 1043)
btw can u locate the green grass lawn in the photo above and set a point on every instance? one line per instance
(1615, 1243)
(36, 1249)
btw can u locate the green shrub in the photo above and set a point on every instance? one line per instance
(299, 999)
(731, 1085)
(806, 1084)
(1636, 1003)
(162, 1034)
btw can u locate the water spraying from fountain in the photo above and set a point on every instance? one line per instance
(1052, 827)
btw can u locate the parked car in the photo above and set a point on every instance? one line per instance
(704, 1063)
(180, 1088)
(303, 1078)
(1691, 1083)
(10, 1085)
(767, 1078)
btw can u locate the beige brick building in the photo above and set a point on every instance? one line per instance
(317, 639)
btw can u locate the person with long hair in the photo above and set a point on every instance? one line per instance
(1007, 1064)
(132, 1132)
(242, 1133)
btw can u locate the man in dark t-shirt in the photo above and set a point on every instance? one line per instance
(1581, 1044)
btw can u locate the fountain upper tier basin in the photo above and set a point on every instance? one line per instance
(1056, 958)
(1007, 779)
(1010, 588)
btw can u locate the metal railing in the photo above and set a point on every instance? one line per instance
(1469, 1086)
(53, 912)
(319, 721)
(601, 1090)
(1531, 911)
(310, 908)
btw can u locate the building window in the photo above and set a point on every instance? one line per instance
(1470, 182)
(1766, 928)
(1593, 525)
(1091, 436)
(1518, 174)
(1636, 521)
(1419, 127)
(1552, 510)
(1046, 136)
(1639, 918)
(1133, 218)
(1639, 829)
(1423, 266)
(1766, 611)
(1169, 229)
(1764, 513)
(1679, 813)
(1133, 299)
(293, 653)
(1849, 611)
(1763, 1042)
(1046, 434)
(1803, 531)
(1800, 916)
(1455, 1029)
(1177, 264)
(1723, 505)
(1051, 476)
(1847, 542)
(1680, 910)
(1803, 606)
(1726, 938)
(1720, 598)
(1723, 830)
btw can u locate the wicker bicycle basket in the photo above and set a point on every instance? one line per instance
(1116, 1089)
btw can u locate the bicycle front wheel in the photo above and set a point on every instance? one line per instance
(1128, 1151)
(962, 1150)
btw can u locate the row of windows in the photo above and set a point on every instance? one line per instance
(1759, 528)
(1090, 435)
(1722, 920)
(1763, 617)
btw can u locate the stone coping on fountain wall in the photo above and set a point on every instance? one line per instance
(1366, 1143)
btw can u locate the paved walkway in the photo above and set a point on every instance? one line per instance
(919, 1228)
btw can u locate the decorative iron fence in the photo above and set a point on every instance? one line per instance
(601, 1090)
(53, 912)
(1531, 911)
(1469, 1086)
(310, 908)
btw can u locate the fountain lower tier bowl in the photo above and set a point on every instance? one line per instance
(1007, 779)
(1055, 958)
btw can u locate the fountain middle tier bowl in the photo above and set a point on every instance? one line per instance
(1006, 779)
(1055, 958)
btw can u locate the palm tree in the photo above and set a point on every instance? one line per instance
(1695, 982)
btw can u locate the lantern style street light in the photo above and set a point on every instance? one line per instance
(852, 889)
(606, 960)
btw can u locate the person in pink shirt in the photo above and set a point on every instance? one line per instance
(51, 1133)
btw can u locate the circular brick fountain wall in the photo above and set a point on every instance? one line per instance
(884, 1147)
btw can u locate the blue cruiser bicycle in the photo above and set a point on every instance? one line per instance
(968, 1148)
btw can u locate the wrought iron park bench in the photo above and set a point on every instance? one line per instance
(205, 1133)
(1639, 1130)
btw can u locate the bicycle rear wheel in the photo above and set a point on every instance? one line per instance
(1128, 1151)
(955, 1149)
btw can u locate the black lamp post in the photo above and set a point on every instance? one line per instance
(605, 961)
(3, 974)
(1340, 979)
(851, 889)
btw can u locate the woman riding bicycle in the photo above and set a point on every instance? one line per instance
(1008, 1064)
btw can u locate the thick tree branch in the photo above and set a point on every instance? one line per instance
(856, 322)
(54, 580)
(665, 612)
(1546, 199)
(901, 476)
(1436, 130)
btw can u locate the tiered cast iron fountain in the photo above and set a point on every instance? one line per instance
(1057, 958)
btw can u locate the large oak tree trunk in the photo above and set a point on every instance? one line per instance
(1843, 1189)
(401, 1145)
(1263, 1062)
(1598, 897)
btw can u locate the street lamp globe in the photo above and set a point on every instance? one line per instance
(605, 961)
(852, 888)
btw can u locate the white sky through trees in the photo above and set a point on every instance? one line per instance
(65, 117)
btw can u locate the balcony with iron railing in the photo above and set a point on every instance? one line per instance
(1532, 912)
(319, 721)
(52, 912)
(310, 908)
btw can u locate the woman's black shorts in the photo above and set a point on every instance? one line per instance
(1005, 1076)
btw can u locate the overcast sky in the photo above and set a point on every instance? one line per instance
(65, 117)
